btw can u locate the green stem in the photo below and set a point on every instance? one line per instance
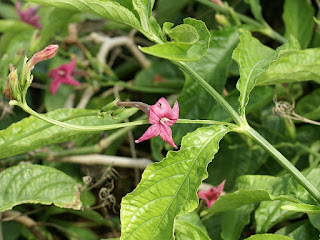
(263, 28)
(27, 109)
(235, 116)
(206, 122)
(244, 127)
(284, 163)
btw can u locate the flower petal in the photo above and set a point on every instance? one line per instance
(166, 135)
(159, 110)
(70, 80)
(212, 194)
(152, 131)
(55, 84)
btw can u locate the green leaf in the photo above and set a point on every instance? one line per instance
(144, 9)
(107, 9)
(305, 208)
(256, 9)
(316, 21)
(189, 227)
(194, 101)
(32, 133)
(300, 231)
(269, 214)
(27, 183)
(255, 188)
(169, 188)
(298, 20)
(234, 221)
(268, 237)
(184, 33)
(252, 58)
(243, 197)
(8, 25)
(309, 106)
(293, 66)
(183, 51)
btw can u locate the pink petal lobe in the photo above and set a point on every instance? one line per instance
(152, 131)
(166, 135)
(54, 86)
(70, 81)
(212, 194)
(175, 111)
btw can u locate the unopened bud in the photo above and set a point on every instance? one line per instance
(12, 89)
(45, 54)
(221, 19)
(109, 106)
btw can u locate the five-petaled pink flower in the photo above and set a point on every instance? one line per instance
(29, 15)
(212, 194)
(162, 117)
(63, 74)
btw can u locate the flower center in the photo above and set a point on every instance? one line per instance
(164, 119)
(61, 72)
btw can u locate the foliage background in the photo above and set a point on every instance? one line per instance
(238, 156)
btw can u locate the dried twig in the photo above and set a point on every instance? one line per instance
(99, 159)
(26, 221)
(108, 43)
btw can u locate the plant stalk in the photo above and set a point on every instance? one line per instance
(284, 162)
(235, 116)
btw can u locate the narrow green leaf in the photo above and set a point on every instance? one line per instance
(256, 9)
(8, 25)
(269, 214)
(298, 20)
(316, 21)
(144, 9)
(107, 9)
(293, 66)
(268, 236)
(27, 183)
(252, 58)
(255, 188)
(169, 188)
(32, 133)
(183, 51)
(234, 221)
(305, 208)
(301, 230)
(189, 226)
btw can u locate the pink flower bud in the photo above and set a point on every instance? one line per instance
(45, 54)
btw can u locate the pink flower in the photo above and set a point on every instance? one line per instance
(212, 194)
(63, 74)
(162, 117)
(29, 15)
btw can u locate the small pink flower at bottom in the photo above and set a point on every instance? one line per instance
(29, 15)
(212, 194)
(162, 117)
(63, 75)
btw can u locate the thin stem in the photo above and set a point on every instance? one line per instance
(212, 92)
(263, 28)
(284, 162)
(205, 122)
